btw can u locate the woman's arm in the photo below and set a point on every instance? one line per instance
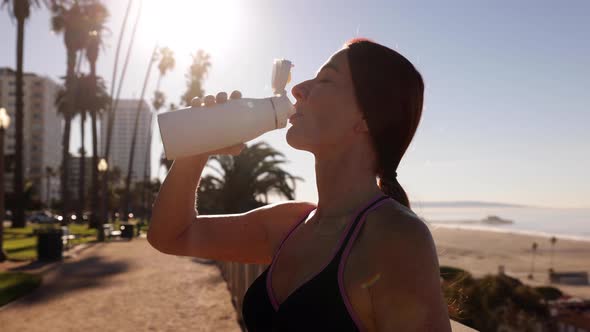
(176, 228)
(174, 208)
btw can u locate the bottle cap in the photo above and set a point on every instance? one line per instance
(281, 75)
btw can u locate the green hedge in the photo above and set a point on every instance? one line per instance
(16, 284)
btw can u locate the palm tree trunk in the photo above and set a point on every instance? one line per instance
(147, 164)
(65, 194)
(552, 248)
(47, 186)
(19, 215)
(82, 171)
(94, 221)
(111, 111)
(3, 255)
(134, 137)
(70, 94)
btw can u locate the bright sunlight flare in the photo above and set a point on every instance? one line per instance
(188, 25)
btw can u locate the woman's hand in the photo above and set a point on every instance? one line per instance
(211, 100)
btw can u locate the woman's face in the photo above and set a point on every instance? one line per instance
(331, 118)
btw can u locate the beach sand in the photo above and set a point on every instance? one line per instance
(481, 252)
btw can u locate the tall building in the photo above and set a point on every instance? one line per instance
(124, 123)
(42, 132)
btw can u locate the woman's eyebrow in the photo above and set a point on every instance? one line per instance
(328, 66)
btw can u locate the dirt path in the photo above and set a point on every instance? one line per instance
(125, 286)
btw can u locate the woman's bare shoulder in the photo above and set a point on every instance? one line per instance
(394, 224)
(280, 217)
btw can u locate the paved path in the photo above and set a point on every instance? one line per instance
(125, 286)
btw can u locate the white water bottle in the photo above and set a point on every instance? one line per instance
(196, 130)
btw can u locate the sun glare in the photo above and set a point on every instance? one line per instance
(188, 25)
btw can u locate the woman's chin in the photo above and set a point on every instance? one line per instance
(293, 139)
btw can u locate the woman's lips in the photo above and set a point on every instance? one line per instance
(294, 116)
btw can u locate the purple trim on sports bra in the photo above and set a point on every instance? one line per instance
(269, 289)
(341, 267)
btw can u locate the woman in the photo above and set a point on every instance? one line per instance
(358, 260)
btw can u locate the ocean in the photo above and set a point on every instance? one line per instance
(563, 223)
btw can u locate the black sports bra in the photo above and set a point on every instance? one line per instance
(320, 303)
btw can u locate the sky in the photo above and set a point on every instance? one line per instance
(506, 116)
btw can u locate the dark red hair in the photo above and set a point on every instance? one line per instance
(390, 93)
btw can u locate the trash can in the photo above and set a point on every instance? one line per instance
(49, 244)
(126, 230)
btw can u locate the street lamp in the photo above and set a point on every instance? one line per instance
(4, 123)
(102, 166)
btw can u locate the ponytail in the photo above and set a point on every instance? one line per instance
(392, 188)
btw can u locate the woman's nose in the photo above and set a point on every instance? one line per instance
(299, 91)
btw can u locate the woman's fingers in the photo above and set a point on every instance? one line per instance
(235, 95)
(221, 98)
(209, 100)
(196, 102)
(236, 149)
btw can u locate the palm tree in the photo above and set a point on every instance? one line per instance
(81, 206)
(194, 78)
(96, 15)
(167, 62)
(553, 241)
(93, 97)
(241, 181)
(115, 99)
(534, 249)
(127, 195)
(20, 10)
(71, 22)
(82, 151)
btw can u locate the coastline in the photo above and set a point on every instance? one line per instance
(481, 252)
(485, 228)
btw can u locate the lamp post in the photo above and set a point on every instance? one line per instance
(102, 168)
(4, 123)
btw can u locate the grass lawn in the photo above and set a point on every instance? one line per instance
(16, 284)
(21, 243)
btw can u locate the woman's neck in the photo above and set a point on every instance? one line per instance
(344, 183)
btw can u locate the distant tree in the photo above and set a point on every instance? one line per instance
(553, 241)
(534, 251)
(495, 303)
(127, 198)
(110, 118)
(19, 10)
(195, 76)
(549, 293)
(96, 16)
(243, 182)
(70, 21)
(166, 63)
